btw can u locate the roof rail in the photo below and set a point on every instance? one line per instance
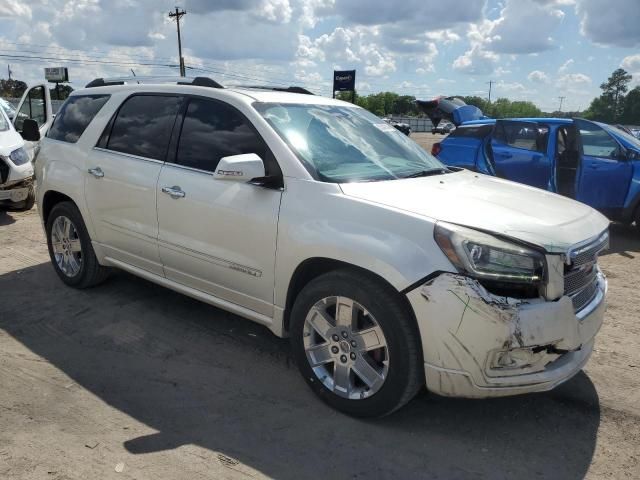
(291, 89)
(197, 81)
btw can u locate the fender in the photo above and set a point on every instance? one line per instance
(397, 246)
(632, 202)
(63, 176)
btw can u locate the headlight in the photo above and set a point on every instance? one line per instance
(486, 257)
(19, 156)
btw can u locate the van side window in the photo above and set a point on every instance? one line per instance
(522, 135)
(212, 130)
(143, 125)
(33, 107)
(75, 116)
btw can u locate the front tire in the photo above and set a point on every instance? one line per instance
(70, 249)
(356, 344)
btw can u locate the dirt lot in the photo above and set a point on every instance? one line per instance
(132, 381)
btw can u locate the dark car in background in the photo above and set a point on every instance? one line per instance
(403, 127)
(443, 128)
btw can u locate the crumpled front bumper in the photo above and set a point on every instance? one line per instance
(477, 344)
(15, 194)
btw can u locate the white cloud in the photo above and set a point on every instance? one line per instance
(565, 66)
(573, 82)
(476, 61)
(13, 8)
(631, 63)
(525, 26)
(538, 76)
(614, 22)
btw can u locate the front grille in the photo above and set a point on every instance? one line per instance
(581, 275)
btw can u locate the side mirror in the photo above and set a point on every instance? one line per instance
(30, 130)
(240, 168)
(632, 154)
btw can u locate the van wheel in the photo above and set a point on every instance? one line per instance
(70, 248)
(356, 344)
(28, 203)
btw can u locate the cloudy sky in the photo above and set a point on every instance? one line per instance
(532, 49)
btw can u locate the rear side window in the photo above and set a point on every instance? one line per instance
(212, 130)
(522, 135)
(143, 125)
(474, 131)
(75, 116)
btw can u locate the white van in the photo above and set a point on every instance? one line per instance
(19, 145)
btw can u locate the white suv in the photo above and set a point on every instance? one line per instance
(317, 219)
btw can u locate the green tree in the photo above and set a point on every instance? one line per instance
(61, 93)
(12, 88)
(631, 111)
(609, 106)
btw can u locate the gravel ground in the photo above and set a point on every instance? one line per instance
(132, 381)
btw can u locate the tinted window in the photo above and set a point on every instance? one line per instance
(476, 131)
(143, 125)
(212, 130)
(33, 107)
(74, 117)
(522, 135)
(596, 142)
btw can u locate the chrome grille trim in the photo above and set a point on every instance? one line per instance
(581, 273)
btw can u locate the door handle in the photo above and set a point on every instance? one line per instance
(505, 155)
(96, 172)
(593, 166)
(174, 192)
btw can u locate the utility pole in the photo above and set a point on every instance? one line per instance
(490, 82)
(178, 15)
(561, 99)
(9, 71)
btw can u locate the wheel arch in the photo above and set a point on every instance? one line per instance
(312, 268)
(50, 199)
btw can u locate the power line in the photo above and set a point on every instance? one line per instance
(178, 15)
(561, 99)
(490, 82)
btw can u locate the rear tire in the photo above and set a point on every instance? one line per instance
(70, 249)
(338, 375)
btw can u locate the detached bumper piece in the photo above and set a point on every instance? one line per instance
(15, 193)
(479, 345)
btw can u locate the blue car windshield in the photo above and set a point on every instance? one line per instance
(342, 144)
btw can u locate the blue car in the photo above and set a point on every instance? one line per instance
(592, 162)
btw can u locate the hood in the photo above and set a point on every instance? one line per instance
(535, 216)
(9, 141)
(449, 108)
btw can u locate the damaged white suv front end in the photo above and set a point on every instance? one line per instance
(519, 302)
(500, 345)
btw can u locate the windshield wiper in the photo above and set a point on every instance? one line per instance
(428, 173)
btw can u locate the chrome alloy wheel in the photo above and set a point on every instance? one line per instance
(346, 348)
(66, 246)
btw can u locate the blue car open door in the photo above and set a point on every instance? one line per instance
(519, 152)
(605, 173)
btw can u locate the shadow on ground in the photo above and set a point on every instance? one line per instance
(6, 218)
(202, 376)
(624, 240)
